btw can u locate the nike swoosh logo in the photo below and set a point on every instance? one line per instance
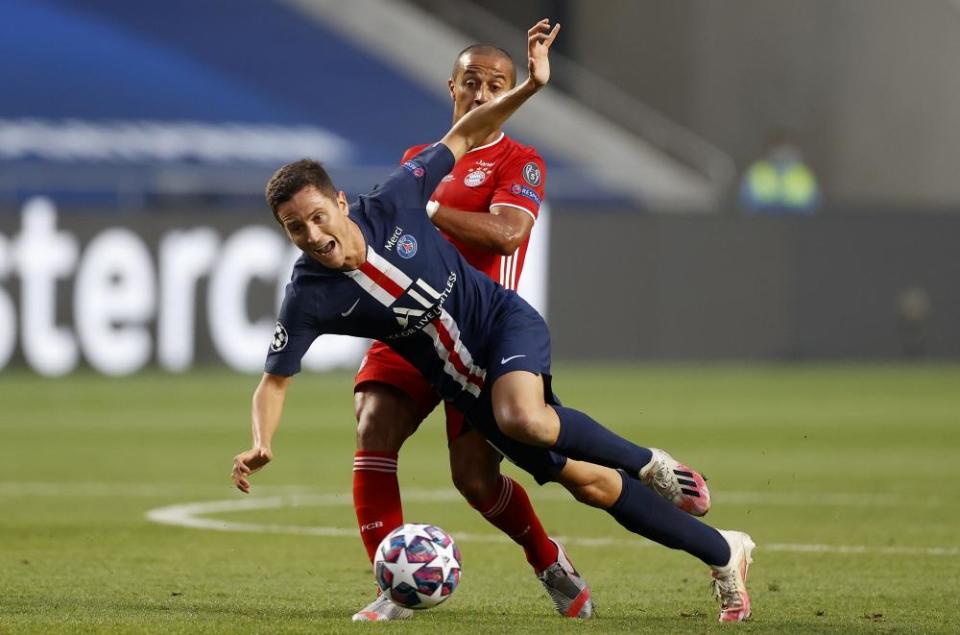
(510, 359)
(350, 310)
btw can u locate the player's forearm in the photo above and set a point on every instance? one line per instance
(268, 408)
(478, 124)
(492, 232)
(482, 122)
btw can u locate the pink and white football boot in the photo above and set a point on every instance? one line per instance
(681, 485)
(730, 580)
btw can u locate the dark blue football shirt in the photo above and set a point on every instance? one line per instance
(415, 292)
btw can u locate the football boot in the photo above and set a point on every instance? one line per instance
(679, 484)
(382, 610)
(730, 580)
(569, 591)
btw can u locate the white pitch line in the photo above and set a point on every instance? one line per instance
(159, 490)
(131, 490)
(191, 515)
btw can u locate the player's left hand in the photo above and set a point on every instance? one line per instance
(246, 463)
(539, 39)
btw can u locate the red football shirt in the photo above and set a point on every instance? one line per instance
(500, 173)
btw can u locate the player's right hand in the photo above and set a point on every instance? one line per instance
(539, 39)
(246, 463)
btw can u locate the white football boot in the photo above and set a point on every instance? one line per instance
(569, 591)
(382, 610)
(679, 484)
(730, 581)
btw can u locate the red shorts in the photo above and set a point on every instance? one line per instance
(383, 366)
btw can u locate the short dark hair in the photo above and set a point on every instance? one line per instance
(293, 177)
(484, 48)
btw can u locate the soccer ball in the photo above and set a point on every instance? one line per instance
(417, 566)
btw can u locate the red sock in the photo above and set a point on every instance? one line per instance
(512, 513)
(376, 497)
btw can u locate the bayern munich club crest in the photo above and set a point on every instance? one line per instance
(407, 246)
(531, 173)
(474, 178)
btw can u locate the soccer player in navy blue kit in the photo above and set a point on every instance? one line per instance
(379, 269)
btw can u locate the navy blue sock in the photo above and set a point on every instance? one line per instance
(584, 439)
(644, 512)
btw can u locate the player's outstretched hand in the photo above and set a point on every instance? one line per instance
(246, 463)
(539, 39)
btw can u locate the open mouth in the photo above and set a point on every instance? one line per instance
(325, 249)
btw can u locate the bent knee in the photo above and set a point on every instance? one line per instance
(523, 424)
(593, 494)
(385, 418)
(476, 476)
(592, 485)
(478, 491)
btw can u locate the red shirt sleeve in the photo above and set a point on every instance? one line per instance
(412, 152)
(520, 183)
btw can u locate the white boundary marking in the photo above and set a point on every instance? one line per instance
(10, 489)
(160, 490)
(191, 515)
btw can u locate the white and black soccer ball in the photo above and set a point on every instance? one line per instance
(417, 566)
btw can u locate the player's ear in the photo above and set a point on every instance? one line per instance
(342, 202)
(450, 85)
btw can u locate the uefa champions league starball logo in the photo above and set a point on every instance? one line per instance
(407, 246)
(279, 341)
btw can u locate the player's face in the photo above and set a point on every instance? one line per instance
(318, 225)
(479, 78)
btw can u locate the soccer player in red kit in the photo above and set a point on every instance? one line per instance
(486, 207)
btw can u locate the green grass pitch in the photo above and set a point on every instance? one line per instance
(845, 475)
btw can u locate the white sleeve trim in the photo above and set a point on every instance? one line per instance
(520, 207)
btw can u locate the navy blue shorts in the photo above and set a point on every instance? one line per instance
(522, 344)
(542, 464)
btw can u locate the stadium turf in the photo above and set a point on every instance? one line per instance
(845, 476)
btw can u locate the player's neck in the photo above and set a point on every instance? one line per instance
(492, 138)
(355, 253)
